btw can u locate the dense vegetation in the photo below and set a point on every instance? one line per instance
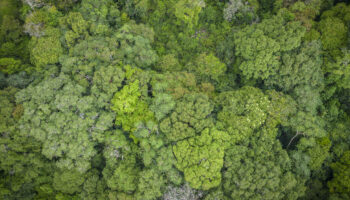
(174, 99)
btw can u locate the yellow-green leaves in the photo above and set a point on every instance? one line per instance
(11, 65)
(201, 158)
(130, 108)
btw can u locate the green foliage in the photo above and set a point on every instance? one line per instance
(136, 9)
(175, 84)
(242, 112)
(8, 8)
(68, 181)
(21, 162)
(174, 99)
(190, 116)
(149, 187)
(121, 171)
(283, 107)
(306, 12)
(339, 71)
(183, 192)
(260, 169)
(14, 54)
(10, 65)
(77, 114)
(339, 136)
(201, 158)
(332, 28)
(241, 12)
(162, 104)
(168, 63)
(187, 11)
(319, 153)
(103, 15)
(38, 21)
(135, 44)
(208, 67)
(299, 67)
(130, 108)
(341, 176)
(13, 41)
(308, 98)
(308, 124)
(216, 194)
(7, 108)
(47, 49)
(77, 28)
(260, 46)
(107, 81)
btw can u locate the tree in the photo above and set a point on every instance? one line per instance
(299, 67)
(332, 28)
(242, 111)
(135, 45)
(174, 99)
(39, 20)
(8, 8)
(259, 46)
(283, 108)
(174, 84)
(187, 11)
(149, 187)
(334, 24)
(339, 71)
(121, 171)
(104, 16)
(68, 181)
(76, 28)
(260, 169)
(106, 82)
(136, 9)
(168, 63)
(94, 187)
(162, 105)
(306, 11)
(129, 107)
(190, 116)
(10, 65)
(35, 3)
(65, 121)
(47, 49)
(185, 192)
(341, 176)
(12, 39)
(21, 163)
(201, 158)
(241, 12)
(207, 67)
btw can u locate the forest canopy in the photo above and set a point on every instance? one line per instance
(174, 99)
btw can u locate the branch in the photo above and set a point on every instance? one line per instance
(298, 133)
